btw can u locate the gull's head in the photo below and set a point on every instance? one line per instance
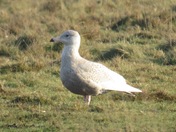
(69, 37)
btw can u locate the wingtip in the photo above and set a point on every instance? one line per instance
(139, 91)
(133, 89)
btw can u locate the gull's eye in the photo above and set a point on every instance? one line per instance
(67, 35)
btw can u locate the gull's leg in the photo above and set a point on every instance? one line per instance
(87, 99)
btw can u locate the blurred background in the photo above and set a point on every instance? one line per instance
(135, 38)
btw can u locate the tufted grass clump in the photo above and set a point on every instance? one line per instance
(169, 50)
(24, 41)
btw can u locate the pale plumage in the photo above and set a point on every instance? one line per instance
(84, 77)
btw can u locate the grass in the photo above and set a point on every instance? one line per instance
(133, 38)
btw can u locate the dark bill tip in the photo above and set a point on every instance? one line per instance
(52, 40)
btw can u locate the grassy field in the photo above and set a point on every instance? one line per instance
(136, 38)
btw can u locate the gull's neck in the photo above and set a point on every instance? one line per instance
(70, 55)
(71, 51)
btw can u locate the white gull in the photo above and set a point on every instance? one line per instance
(84, 77)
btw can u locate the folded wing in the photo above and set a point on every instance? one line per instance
(104, 78)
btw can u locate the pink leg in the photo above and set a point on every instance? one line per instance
(87, 99)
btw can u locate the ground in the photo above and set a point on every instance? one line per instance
(134, 38)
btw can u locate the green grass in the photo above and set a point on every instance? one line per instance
(134, 38)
